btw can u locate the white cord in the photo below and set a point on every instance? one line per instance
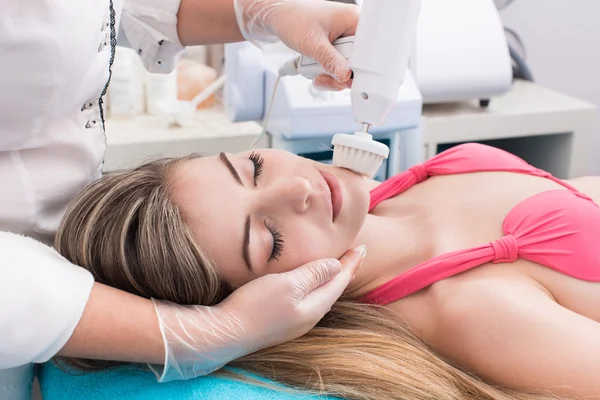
(268, 115)
(290, 68)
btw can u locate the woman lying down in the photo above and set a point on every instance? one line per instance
(481, 279)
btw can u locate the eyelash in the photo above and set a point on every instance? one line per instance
(258, 162)
(277, 243)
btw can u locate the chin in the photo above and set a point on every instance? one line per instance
(356, 198)
(357, 187)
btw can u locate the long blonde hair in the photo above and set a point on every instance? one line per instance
(125, 229)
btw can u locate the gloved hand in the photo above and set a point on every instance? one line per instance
(265, 312)
(307, 26)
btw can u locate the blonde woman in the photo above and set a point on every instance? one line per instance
(481, 280)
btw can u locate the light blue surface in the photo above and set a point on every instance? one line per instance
(130, 384)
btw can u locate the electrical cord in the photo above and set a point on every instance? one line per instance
(503, 5)
(518, 56)
(265, 121)
(512, 33)
(520, 68)
(290, 68)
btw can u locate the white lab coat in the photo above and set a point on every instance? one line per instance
(54, 67)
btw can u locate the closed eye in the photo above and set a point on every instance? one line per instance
(277, 243)
(258, 162)
(277, 248)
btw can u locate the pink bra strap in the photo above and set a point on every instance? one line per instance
(441, 267)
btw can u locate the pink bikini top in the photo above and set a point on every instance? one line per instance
(559, 229)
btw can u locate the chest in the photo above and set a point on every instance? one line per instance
(457, 212)
(467, 211)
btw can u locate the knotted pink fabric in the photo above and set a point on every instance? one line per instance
(506, 250)
(420, 172)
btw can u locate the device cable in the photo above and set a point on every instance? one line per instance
(290, 68)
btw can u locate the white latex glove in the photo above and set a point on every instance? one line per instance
(307, 26)
(265, 312)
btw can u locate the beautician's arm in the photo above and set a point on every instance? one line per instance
(513, 334)
(49, 306)
(116, 325)
(207, 22)
(199, 340)
(308, 27)
(158, 29)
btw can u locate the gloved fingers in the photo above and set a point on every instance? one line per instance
(320, 300)
(343, 23)
(310, 276)
(326, 82)
(332, 61)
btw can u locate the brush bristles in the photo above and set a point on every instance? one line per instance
(359, 161)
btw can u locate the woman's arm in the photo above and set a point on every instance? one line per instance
(308, 27)
(116, 325)
(199, 340)
(515, 335)
(48, 305)
(158, 29)
(42, 297)
(207, 22)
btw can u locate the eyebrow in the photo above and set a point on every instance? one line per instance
(246, 245)
(246, 241)
(230, 167)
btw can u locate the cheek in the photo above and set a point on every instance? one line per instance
(233, 274)
(287, 163)
(307, 243)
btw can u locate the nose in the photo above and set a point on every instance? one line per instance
(294, 194)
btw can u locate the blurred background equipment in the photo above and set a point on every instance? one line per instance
(468, 54)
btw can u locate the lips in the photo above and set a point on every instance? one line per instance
(336, 193)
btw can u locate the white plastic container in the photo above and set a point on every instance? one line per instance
(161, 93)
(196, 53)
(126, 94)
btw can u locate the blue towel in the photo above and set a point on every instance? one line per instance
(127, 383)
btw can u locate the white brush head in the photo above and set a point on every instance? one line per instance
(359, 153)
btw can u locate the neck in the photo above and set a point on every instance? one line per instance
(397, 238)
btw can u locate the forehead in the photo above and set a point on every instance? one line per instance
(200, 186)
(209, 200)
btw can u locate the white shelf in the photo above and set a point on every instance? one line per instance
(528, 110)
(133, 141)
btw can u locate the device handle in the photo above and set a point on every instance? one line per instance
(310, 69)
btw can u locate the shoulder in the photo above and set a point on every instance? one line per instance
(511, 333)
(478, 322)
(471, 297)
(475, 300)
